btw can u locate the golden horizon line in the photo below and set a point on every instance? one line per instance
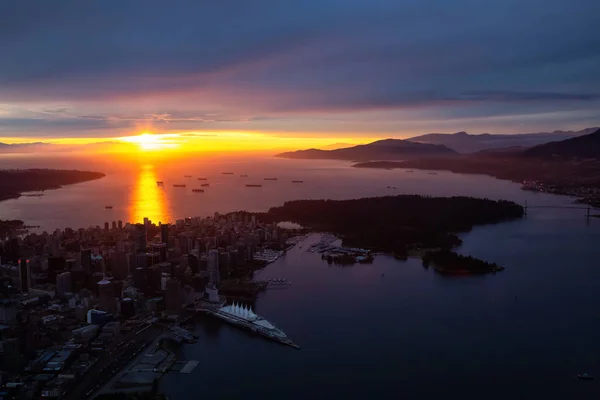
(198, 141)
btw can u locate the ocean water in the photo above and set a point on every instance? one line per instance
(390, 329)
(130, 188)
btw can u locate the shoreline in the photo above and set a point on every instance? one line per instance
(16, 183)
(541, 184)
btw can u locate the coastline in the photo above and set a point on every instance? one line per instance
(15, 183)
(539, 176)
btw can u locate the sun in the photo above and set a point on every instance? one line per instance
(149, 142)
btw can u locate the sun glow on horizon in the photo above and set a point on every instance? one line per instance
(149, 142)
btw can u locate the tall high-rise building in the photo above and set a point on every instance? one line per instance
(106, 294)
(193, 261)
(164, 233)
(24, 275)
(63, 283)
(160, 248)
(173, 296)
(114, 225)
(86, 260)
(120, 224)
(56, 265)
(12, 250)
(139, 234)
(139, 279)
(213, 267)
(71, 264)
(119, 264)
(55, 249)
(106, 226)
(153, 275)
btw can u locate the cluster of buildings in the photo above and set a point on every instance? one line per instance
(587, 194)
(67, 295)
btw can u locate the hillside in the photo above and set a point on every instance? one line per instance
(582, 147)
(463, 142)
(15, 181)
(387, 149)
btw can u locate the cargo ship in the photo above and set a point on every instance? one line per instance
(243, 176)
(205, 184)
(244, 317)
(197, 190)
(202, 179)
(108, 207)
(270, 179)
(159, 183)
(178, 185)
(251, 185)
(227, 173)
(187, 176)
(297, 181)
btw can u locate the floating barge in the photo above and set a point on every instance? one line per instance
(244, 317)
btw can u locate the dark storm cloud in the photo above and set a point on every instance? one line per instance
(267, 57)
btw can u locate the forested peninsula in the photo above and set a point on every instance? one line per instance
(401, 224)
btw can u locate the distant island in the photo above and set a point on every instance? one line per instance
(402, 224)
(14, 182)
(387, 149)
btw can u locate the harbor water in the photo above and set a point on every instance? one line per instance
(388, 329)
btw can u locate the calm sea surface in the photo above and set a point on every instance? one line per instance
(521, 334)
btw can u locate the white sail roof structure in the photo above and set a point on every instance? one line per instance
(239, 311)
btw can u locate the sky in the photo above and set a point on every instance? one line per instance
(284, 74)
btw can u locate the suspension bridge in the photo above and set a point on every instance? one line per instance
(587, 208)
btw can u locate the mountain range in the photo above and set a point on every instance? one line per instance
(463, 142)
(387, 149)
(582, 147)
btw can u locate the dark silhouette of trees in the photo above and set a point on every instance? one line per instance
(396, 223)
(446, 261)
